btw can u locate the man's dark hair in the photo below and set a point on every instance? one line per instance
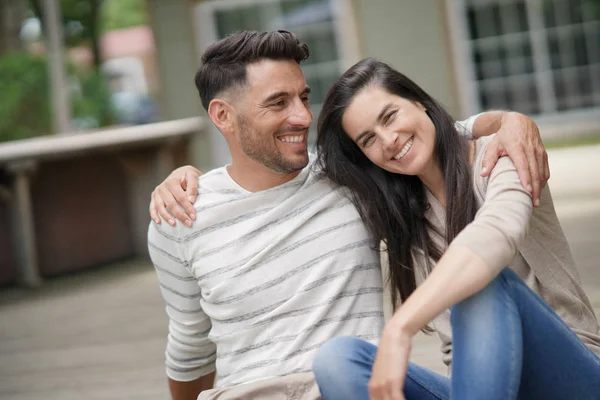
(224, 62)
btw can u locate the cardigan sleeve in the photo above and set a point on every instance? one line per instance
(501, 223)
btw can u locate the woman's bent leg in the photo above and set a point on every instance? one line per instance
(486, 345)
(508, 343)
(343, 367)
(556, 363)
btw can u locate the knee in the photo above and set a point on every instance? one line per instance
(482, 308)
(335, 357)
(479, 305)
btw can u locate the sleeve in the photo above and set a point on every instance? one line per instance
(465, 127)
(501, 223)
(189, 354)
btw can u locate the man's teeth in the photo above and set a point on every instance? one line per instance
(292, 139)
(405, 149)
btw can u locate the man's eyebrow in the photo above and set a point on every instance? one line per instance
(276, 95)
(379, 118)
(282, 93)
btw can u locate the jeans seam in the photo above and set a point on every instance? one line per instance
(514, 382)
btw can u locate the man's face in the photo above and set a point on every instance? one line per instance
(273, 116)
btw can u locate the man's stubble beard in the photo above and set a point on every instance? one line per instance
(262, 150)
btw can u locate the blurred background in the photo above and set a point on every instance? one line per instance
(98, 104)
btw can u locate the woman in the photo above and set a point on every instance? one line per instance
(418, 187)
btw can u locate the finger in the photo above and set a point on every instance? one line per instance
(535, 177)
(375, 392)
(490, 158)
(546, 168)
(396, 394)
(153, 213)
(161, 208)
(543, 166)
(173, 207)
(192, 186)
(396, 390)
(518, 157)
(184, 209)
(539, 155)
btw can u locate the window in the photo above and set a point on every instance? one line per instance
(534, 56)
(315, 22)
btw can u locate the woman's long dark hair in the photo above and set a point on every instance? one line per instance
(392, 205)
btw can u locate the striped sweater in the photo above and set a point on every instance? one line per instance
(262, 279)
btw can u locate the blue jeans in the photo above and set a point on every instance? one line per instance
(507, 344)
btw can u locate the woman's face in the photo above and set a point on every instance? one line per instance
(394, 133)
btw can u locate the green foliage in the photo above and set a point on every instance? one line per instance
(120, 14)
(92, 101)
(25, 104)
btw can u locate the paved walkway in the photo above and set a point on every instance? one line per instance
(100, 334)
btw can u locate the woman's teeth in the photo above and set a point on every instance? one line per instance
(292, 139)
(405, 149)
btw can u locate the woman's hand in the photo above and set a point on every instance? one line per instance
(175, 196)
(391, 365)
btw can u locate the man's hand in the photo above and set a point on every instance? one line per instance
(175, 196)
(518, 137)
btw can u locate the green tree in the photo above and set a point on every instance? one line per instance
(25, 102)
(80, 20)
(120, 14)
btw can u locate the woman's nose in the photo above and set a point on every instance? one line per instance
(390, 140)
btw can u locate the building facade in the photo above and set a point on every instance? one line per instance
(539, 57)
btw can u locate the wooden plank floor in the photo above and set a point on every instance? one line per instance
(94, 335)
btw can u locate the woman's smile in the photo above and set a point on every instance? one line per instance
(405, 149)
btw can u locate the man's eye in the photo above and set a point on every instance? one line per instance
(305, 99)
(280, 103)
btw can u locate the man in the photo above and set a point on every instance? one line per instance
(279, 260)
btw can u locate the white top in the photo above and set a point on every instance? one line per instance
(262, 279)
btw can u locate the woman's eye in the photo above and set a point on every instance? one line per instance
(389, 116)
(367, 140)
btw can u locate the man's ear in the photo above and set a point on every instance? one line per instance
(222, 115)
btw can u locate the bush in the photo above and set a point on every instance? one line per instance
(25, 103)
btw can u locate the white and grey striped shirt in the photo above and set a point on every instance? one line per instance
(262, 279)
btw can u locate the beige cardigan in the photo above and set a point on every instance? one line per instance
(507, 230)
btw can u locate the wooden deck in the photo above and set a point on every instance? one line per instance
(94, 335)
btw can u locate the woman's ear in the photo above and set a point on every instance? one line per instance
(221, 114)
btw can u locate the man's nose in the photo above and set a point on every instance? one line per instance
(301, 115)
